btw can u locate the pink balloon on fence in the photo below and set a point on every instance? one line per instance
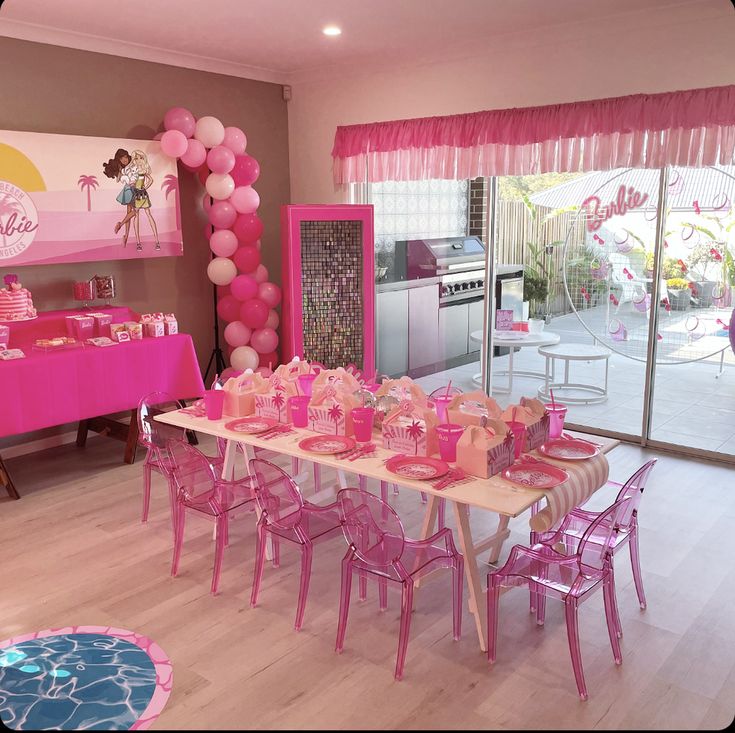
(264, 340)
(209, 131)
(246, 170)
(244, 288)
(195, 154)
(248, 228)
(173, 143)
(269, 293)
(223, 243)
(220, 159)
(254, 313)
(222, 214)
(247, 258)
(179, 118)
(237, 334)
(273, 319)
(244, 357)
(235, 140)
(228, 308)
(245, 199)
(261, 273)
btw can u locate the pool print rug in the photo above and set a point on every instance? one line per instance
(82, 678)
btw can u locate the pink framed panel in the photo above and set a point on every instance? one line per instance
(323, 318)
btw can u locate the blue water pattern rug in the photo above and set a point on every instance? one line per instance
(74, 682)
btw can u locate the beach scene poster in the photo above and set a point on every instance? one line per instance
(68, 198)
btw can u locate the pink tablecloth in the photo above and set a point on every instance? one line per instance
(53, 388)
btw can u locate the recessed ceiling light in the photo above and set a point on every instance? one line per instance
(331, 30)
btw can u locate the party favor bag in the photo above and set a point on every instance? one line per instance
(485, 451)
(411, 429)
(469, 408)
(240, 393)
(290, 372)
(533, 414)
(329, 409)
(270, 400)
(403, 389)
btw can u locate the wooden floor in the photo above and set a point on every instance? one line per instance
(74, 552)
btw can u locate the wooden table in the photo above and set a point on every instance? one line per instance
(494, 494)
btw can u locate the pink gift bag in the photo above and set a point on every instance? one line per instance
(271, 400)
(329, 410)
(533, 414)
(411, 429)
(240, 394)
(485, 451)
(469, 408)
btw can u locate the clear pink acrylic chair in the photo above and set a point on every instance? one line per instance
(378, 546)
(199, 489)
(577, 522)
(571, 578)
(286, 515)
(152, 435)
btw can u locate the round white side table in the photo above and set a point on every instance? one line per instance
(568, 353)
(515, 342)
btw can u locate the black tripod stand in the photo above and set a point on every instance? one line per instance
(216, 358)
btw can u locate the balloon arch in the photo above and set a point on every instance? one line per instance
(246, 299)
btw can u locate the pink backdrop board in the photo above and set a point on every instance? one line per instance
(57, 203)
(52, 388)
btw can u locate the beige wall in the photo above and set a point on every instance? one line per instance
(53, 89)
(687, 47)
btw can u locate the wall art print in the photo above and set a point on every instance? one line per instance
(68, 198)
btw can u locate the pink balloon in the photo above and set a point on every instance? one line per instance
(235, 140)
(222, 214)
(246, 170)
(264, 340)
(244, 288)
(195, 154)
(254, 312)
(261, 274)
(247, 258)
(207, 202)
(273, 319)
(223, 243)
(245, 199)
(269, 293)
(223, 290)
(248, 228)
(174, 143)
(237, 334)
(179, 118)
(220, 159)
(228, 308)
(244, 357)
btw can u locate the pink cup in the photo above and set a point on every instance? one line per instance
(298, 408)
(557, 413)
(214, 400)
(448, 434)
(362, 421)
(519, 434)
(305, 383)
(440, 405)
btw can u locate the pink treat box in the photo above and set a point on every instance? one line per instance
(83, 327)
(171, 326)
(69, 320)
(102, 323)
(405, 439)
(4, 334)
(154, 329)
(272, 405)
(330, 420)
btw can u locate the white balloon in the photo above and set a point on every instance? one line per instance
(209, 131)
(220, 185)
(244, 357)
(221, 271)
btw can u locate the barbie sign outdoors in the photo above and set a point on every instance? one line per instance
(65, 198)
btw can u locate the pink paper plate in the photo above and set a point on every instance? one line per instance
(251, 425)
(569, 450)
(417, 467)
(327, 444)
(535, 475)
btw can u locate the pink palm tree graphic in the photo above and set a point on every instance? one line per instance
(279, 402)
(88, 182)
(170, 184)
(335, 413)
(415, 431)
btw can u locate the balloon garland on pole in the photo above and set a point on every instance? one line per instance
(246, 299)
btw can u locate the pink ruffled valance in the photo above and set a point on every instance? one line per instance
(686, 128)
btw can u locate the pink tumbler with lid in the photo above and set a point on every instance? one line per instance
(448, 435)
(306, 382)
(362, 422)
(519, 434)
(557, 413)
(214, 401)
(440, 405)
(298, 407)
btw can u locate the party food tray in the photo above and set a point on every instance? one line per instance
(251, 425)
(327, 444)
(535, 475)
(417, 467)
(569, 449)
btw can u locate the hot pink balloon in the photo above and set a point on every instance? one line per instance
(248, 228)
(269, 293)
(245, 199)
(254, 312)
(247, 258)
(237, 334)
(228, 308)
(220, 159)
(195, 154)
(179, 118)
(261, 274)
(244, 288)
(174, 143)
(207, 202)
(235, 140)
(246, 170)
(222, 214)
(223, 243)
(244, 357)
(273, 320)
(264, 340)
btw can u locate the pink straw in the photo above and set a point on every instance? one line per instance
(449, 386)
(515, 409)
(375, 377)
(214, 384)
(553, 404)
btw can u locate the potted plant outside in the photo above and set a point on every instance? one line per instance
(535, 290)
(705, 262)
(679, 293)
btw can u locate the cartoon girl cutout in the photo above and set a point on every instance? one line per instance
(122, 169)
(142, 201)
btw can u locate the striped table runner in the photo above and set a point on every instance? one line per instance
(585, 477)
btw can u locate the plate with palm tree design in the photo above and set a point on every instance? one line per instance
(421, 468)
(327, 444)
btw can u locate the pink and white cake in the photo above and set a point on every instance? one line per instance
(16, 303)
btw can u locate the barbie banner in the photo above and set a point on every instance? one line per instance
(65, 198)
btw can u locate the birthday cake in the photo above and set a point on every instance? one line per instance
(16, 303)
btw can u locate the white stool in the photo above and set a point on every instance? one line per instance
(568, 353)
